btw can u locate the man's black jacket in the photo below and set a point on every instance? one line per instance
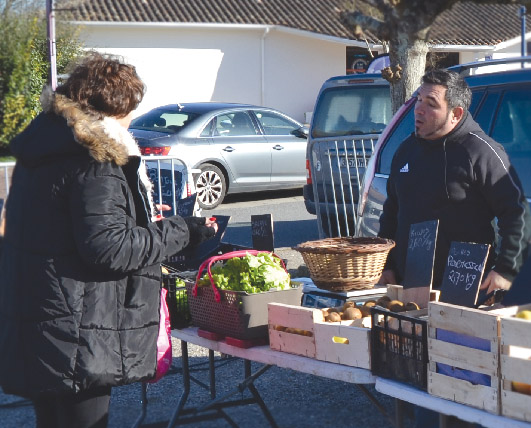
(464, 180)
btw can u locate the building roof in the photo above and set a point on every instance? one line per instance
(466, 23)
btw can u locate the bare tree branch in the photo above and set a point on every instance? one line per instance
(356, 19)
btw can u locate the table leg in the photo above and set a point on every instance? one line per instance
(252, 389)
(144, 403)
(186, 384)
(399, 413)
(212, 373)
(443, 421)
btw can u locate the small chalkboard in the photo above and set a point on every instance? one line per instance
(262, 232)
(185, 207)
(420, 254)
(463, 273)
(168, 188)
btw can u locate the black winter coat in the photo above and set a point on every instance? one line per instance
(80, 277)
(464, 180)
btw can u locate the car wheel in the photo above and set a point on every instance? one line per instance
(210, 187)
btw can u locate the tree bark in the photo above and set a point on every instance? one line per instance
(410, 53)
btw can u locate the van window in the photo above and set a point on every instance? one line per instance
(351, 110)
(403, 130)
(511, 129)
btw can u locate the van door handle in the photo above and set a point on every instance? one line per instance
(278, 147)
(229, 149)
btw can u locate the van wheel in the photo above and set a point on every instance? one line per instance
(210, 186)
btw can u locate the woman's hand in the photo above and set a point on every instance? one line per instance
(211, 222)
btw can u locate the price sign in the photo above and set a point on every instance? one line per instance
(420, 254)
(463, 273)
(262, 232)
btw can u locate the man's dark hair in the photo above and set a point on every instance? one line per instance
(458, 94)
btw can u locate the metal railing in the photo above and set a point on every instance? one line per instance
(169, 187)
(337, 167)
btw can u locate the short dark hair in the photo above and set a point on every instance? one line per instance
(458, 93)
(104, 85)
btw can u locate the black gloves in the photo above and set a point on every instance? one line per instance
(198, 231)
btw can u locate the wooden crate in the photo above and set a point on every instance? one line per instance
(515, 363)
(282, 317)
(344, 342)
(468, 325)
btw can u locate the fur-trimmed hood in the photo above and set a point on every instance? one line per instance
(105, 139)
(47, 137)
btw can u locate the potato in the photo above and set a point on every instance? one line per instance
(333, 317)
(352, 314)
(383, 301)
(396, 306)
(370, 303)
(348, 304)
(411, 306)
(365, 311)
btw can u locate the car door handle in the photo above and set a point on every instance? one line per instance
(278, 147)
(229, 149)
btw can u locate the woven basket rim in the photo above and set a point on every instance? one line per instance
(345, 245)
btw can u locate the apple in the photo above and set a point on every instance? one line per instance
(522, 388)
(526, 315)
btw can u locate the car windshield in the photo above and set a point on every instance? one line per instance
(163, 120)
(352, 110)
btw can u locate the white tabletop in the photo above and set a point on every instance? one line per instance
(264, 354)
(466, 413)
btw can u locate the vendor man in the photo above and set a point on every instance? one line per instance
(450, 170)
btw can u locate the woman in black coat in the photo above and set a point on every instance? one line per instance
(80, 273)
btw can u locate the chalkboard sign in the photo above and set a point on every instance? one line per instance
(191, 257)
(169, 187)
(463, 273)
(262, 232)
(420, 254)
(185, 207)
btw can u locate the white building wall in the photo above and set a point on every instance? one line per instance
(190, 64)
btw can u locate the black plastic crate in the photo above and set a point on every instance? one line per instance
(177, 301)
(399, 347)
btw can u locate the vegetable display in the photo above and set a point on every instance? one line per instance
(252, 274)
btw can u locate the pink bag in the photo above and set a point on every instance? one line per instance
(164, 340)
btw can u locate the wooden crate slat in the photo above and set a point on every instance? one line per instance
(473, 322)
(463, 357)
(460, 391)
(292, 343)
(515, 369)
(516, 331)
(293, 316)
(356, 353)
(515, 405)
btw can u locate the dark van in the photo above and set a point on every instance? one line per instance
(349, 115)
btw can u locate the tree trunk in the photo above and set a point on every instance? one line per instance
(410, 53)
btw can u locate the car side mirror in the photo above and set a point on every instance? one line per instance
(301, 132)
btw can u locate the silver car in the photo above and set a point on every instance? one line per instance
(237, 147)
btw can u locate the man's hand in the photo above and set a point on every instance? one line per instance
(493, 281)
(388, 277)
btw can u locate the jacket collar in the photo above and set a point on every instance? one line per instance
(105, 139)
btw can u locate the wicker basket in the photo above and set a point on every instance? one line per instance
(343, 264)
